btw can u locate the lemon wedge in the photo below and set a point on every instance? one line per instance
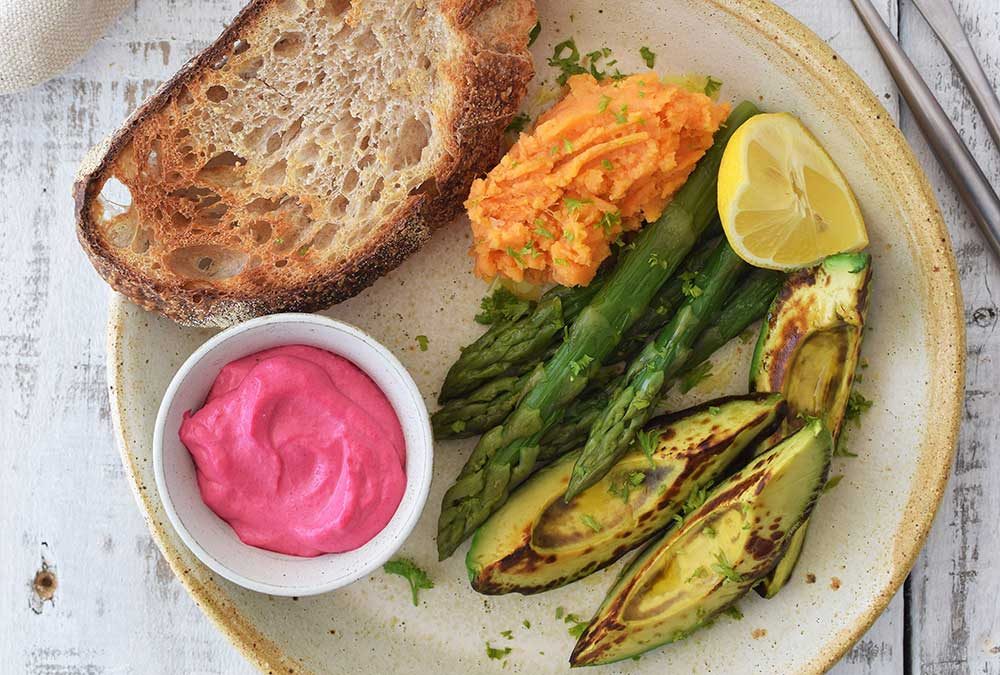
(783, 202)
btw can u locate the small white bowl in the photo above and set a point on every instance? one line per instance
(209, 537)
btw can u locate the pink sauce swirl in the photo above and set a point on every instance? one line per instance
(299, 451)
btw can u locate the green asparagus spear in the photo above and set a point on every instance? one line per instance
(483, 409)
(633, 402)
(572, 430)
(490, 403)
(504, 349)
(514, 347)
(661, 309)
(748, 304)
(743, 307)
(506, 454)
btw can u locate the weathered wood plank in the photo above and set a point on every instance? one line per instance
(106, 602)
(955, 616)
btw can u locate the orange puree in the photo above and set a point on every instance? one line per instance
(605, 158)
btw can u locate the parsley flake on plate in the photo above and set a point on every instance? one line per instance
(502, 305)
(648, 56)
(496, 653)
(417, 578)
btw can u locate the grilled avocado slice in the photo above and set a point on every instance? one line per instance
(808, 349)
(537, 541)
(685, 578)
(810, 341)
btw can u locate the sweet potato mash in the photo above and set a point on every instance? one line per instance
(605, 158)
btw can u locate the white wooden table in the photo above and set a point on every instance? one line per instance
(67, 516)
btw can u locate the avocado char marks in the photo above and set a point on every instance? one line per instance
(681, 581)
(809, 348)
(537, 541)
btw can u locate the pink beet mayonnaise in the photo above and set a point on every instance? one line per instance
(299, 451)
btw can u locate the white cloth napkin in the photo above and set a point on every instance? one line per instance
(41, 38)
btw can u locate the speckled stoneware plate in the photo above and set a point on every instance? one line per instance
(864, 535)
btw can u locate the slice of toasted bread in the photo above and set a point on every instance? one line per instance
(305, 153)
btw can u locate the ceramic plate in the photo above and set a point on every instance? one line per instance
(864, 535)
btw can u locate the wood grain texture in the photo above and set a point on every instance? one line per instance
(108, 603)
(955, 586)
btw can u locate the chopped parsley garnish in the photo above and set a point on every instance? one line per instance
(458, 426)
(302, 250)
(567, 145)
(733, 612)
(654, 260)
(422, 342)
(696, 375)
(417, 577)
(712, 87)
(699, 573)
(560, 261)
(622, 115)
(695, 500)
(832, 482)
(723, 568)
(516, 255)
(577, 625)
(559, 612)
(580, 365)
(594, 57)
(591, 522)
(526, 624)
(709, 531)
(509, 634)
(566, 57)
(648, 441)
(610, 220)
(574, 205)
(519, 123)
(688, 287)
(502, 305)
(621, 485)
(648, 56)
(714, 410)
(542, 231)
(495, 653)
(533, 33)
(602, 104)
(607, 165)
(856, 405)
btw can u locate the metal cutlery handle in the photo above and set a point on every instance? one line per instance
(941, 16)
(956, 159)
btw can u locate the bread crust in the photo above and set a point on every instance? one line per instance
(489, 81)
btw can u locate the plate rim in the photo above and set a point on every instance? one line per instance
(946, 349)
